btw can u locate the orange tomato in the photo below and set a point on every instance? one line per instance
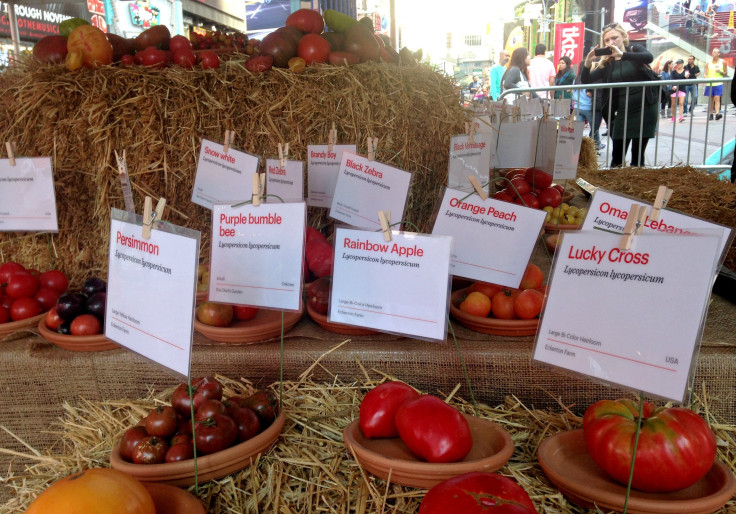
(533, 277)
(486, 288)
(502, 304)
(476, 304)
(528, 304)
(96, 49)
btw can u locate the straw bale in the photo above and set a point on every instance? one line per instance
(694, 192)
(309, 469)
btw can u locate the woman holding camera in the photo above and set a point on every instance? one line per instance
(623, 63)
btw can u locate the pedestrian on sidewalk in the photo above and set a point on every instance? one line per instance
(678, 95)
(692, 71)
(715, 68)
(541, 71)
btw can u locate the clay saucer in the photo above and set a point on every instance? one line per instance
(338, 328)
(555, 227)
(492, 448)
(265, 325)
(12, 326)
(567, 463)
(499, 327)
(209, 467)
(95, 343)
(171, 500)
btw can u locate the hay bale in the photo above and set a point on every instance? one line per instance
(160, 116)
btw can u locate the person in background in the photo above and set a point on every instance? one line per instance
(666, 74)
(584, 104)
(715, 68)
(516, 76)
(474, 87)
(692, 71)
(541, 71)
(678, 94)
(565, 76)
(497, 73)
(629, 122)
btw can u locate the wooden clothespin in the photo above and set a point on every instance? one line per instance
(259, 184)
(11, 152)
(125, 182)
(332, 138)
(569, 122)
(385, 218)
(478, 188)
(372, 144)
(149, 215)
(229, 138)
(634, 223)
(663, 196)
(283, 154)
(470, 131)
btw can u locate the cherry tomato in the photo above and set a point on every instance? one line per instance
(208, 409)
(47, 297)
(518, 187)
(538, 179)
(130, 439)
(127, 60)
(7, 269)
(179, 452)
(185, 58)
(215, 434)
(231, 406)
(53, 320)
(528, 304)
(154, 57)
(86, 325)
(4, 314)
(162, 421)
(247, 423)
(297, 64)
(150, 450)
(24, 308)
(21, 284)
(477, 493)
(265, 404)
(54, 279)
(379, 406)
(184, 438)
(178, 43)
(209, 60)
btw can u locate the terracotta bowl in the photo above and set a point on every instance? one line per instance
(492, 448)
(12, 326)
(171, 500)
(551, 228)
(338, 328)
(209, 467)
(567, 463)
(95, 343)
(265, 325)
(499, 327)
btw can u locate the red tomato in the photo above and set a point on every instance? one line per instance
(519, 186)
(559, 187)
(528, 200)
(6, 301)
(47, 297)
(86, 325)
(265, 404)
(215, 314)
(150, 450)
(320, 257)
(179, 452)
(528, 304)
(24, 308)
(130, 439)
(185, 438)
(313, 233)
(477, 493)
(549, 196)
(54, 279)
(433, 430)
(313, 48)
(503, 196)
(7, 269)
(259, 63)
(215, 434)
(247, 423)
(339, 58)
(538, 179)
(676, 446)
(184, 58)
(306, 20)
(280, 46)
(208, 409)
(209, 60)
(244, 313)
(204, 388)
(533, 277)
(21, 284)
(127, 60)
(4, 314)
(162, 421)
(96, 49)
(379, 406)
(502, 305)
(154, 57)
(179, 43)
(318, 294)
(50, 49)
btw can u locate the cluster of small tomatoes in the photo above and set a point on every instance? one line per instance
(530, 187)
(25, 293)
(81, 313)
(491, 300)
(165, 434)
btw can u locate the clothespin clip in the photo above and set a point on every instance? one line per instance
(259, 184)
(229, 138)
(569, 122)
(372, 144)
(385, 218)
(125, 182)
(470, 131)
(634, 224)
(11, 152)
(149, 215)
(332, 138)
(283, 154)
(478, 188)
(663, 196)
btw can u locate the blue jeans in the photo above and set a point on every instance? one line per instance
(595, 124)
(691, 90)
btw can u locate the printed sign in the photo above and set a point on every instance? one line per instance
(569, 41)
(567, 150)
(400, 286)
(151, 287)
(27, 198)
(223, 177)
(468, 158)
(287, 183)
(323, 167)
(256, 258)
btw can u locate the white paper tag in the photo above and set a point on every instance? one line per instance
(517, 144)
(257, 255)
(467, 159)
(27, 199)
(546, 143)
(323, 167)
(493, 240)
(223, 177)
(365, 187)
(567, 150)
(633, 318)
(287, 183)
(561, 107)
(400, 286)
(151, 287)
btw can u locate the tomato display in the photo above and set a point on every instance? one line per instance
(676, 446)
(379, 406)
(208, 409)
(502, 305)
(433, 430)
(477, 493)
(179, 43)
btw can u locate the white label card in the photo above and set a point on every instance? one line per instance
(561, 107)
(493, 240)
(287, 183)
(635, 317)
(257, 255)
(516, 144)
(223, 177)
(400, 286)
(467, 159)
(27, 198)
(323, 167)
(546, 143)
(567, 152)
(151, 287)
(365, 187)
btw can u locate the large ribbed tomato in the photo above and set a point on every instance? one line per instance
(95, 491)
(477, 493)
(676, 446)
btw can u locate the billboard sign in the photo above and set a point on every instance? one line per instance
(569, 41)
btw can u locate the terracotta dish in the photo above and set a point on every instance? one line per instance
(338, 328)
(266, 325)
(209, 467)
(499, 327)
(171, 500)
(95, 343)
(566, 462)
(555, 227)
(492, 448)
(12, 326)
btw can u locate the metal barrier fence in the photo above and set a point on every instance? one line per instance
(672, 140)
